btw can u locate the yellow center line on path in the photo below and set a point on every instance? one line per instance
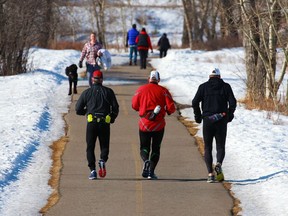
(138, 185)
(124, 107)
(138, 165)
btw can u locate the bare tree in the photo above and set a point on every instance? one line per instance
(2, 32)
(18, 33)
(45, 25)
(187, 4)
(229, 21)
(261, 37)
(200, 19)
(99, 11)
(22, 25)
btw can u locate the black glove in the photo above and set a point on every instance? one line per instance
(80, 64)
(126, 45)
(81, 112)
(112, 120)
(198, 119)
(230, 117)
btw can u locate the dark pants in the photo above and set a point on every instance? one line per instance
(90, 70)
(219, 131)
(148, 140)
(102, 131)
(143, 58)
(163, 52)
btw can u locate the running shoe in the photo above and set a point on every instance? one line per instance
(93, 175)
(219, 172)
(152, 176)
(102, 169)
(146, 167)
(211, 179)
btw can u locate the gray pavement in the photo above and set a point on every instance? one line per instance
(181, 189)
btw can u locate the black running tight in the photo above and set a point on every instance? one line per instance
(217, 130)
(148, 140)
(102, 131)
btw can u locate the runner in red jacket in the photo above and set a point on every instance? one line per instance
(152, 101)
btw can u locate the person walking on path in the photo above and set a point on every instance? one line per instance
(90, 53)
(218, 105)
(164, 45)
(100, 105)
(152, 101)
(131, 41)
(143, 45)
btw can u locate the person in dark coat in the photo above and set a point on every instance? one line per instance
(218, 105)
(100, 105)
(72, 74)
(163, 45)
(143, 45)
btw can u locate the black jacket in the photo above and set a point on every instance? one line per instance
(164, 43)
(215, 96)
(143, 41)
(98, 100)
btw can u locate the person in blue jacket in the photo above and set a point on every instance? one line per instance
(131, 36)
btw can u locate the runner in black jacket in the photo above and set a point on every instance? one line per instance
(100, 105)
(216, 97)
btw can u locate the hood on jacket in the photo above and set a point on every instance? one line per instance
(215, 83)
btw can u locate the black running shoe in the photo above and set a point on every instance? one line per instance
(152, 176)
(211, 179)
(146, 167)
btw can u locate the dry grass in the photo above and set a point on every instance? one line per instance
(267, 105)
(217, 44)
(66, 45)
(58, 148)
(192, 128)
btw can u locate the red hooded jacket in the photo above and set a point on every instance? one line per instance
(143, 41)
(146, 98)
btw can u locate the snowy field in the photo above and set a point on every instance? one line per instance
(32, 105)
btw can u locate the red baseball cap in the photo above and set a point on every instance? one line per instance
(97, 74)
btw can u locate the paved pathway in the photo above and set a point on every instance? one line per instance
(181, 189)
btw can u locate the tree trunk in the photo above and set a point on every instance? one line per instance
(45, 26)
(255, 70)
(102, 26)
(230, 28)
(185, 37)
(18, 33)
(98, 10)
(188, 20)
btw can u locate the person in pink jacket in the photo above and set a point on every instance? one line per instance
(152, 101)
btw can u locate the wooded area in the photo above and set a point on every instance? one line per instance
(260, 26)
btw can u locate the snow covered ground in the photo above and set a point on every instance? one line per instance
(32, 105)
